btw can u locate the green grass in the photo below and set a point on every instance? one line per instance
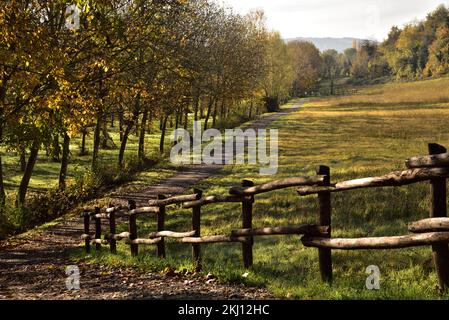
(46, 173)
(44, 204)
(364, 135)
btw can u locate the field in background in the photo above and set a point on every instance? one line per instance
(368, 134)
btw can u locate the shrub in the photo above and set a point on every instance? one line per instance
(6, 224)
(45, 207)
(272, 104)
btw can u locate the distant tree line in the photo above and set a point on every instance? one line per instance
(420, 49)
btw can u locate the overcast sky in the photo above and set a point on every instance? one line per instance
(337, 18)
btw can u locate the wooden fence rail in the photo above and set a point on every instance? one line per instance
(429, 225)
(394, 179)
(433, 232)
(378, 243)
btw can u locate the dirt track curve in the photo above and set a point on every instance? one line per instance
(33, 266)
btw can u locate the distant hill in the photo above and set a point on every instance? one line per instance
(339, 44)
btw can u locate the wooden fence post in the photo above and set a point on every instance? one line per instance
(87, 230)
(112, 231)
(247, 223)
(97, 229)
(133, 229)
(324, 199)
(196, 226)
(161, 227)
(438, 209)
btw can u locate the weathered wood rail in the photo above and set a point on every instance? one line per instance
(433, 232)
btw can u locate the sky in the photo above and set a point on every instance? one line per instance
(367, 19)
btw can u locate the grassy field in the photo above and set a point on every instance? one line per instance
(368, 134)
(46, 173)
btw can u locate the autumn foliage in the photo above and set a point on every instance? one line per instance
(69, 67)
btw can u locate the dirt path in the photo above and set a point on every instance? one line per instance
(189, 176)
(33, 266)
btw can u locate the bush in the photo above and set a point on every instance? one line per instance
(45, 207)
(48, 206)
(272, 104)
(233, 121)
(6, 224)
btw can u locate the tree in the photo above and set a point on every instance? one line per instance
(30, 73)
(135, 60)
(307, 65)
(438, 63)
(407, 61)
(348, 57)
(407, 51)
(280, 75)
(331, 67)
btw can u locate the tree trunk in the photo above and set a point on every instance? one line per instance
(202, 109)
(23, 160)
(208, 112)
(2, 101)
(214, 123)
(2, 184)
(222, 110)
(196, 103)
(128, 130)
(23, 188)
(64, 162)
(83, 142)
(105, 134)
(56, 149)
(143, 127)
(186, 120)
(121, 123)
(121, 154)
(136, 127)
(250, 114)
(177, 118)
(162, 141)
(97, 141)
(2, 187)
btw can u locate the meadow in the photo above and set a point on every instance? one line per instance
(44, 201)
(368, 134)
(46, 173)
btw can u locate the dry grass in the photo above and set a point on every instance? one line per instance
(428, 92)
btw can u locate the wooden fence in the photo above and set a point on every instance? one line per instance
(432, 232)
